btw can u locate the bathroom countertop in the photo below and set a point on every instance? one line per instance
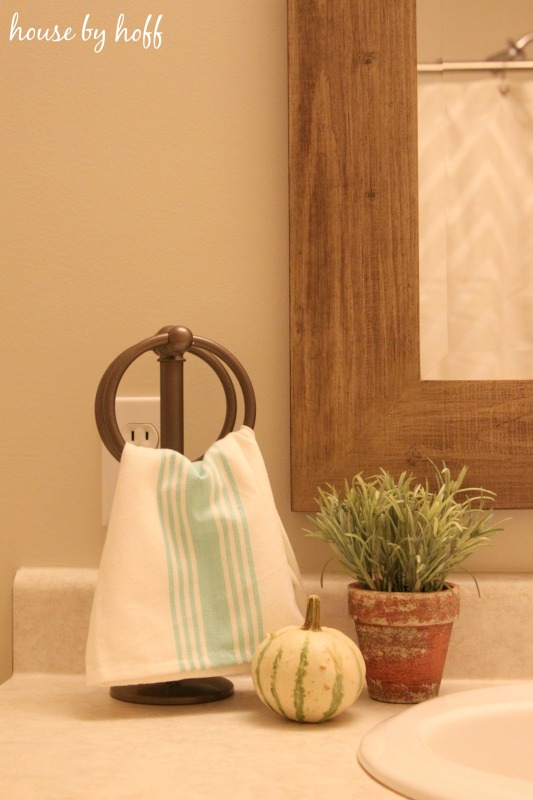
(60, 740)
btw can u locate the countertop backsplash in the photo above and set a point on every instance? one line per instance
(492, 639)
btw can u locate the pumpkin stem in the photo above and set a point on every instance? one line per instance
(312, 614)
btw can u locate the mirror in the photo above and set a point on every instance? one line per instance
(357, 400)
(475, 147)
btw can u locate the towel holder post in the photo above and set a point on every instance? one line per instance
(170, 344)
(171, 359)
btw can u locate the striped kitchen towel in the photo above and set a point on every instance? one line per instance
(196, 567)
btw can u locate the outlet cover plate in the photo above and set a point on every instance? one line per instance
(138, 414)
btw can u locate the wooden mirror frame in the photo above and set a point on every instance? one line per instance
(357, 400)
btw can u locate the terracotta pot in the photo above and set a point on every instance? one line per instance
(404, 638)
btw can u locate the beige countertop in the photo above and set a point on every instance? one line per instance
(60, 739)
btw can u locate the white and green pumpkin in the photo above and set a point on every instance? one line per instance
(308, 674)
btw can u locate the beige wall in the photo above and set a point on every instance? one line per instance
(470, 30)
(140, 188)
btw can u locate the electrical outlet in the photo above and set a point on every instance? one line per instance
(141, 434)
(138, 422)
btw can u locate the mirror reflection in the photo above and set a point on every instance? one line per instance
(475, 86)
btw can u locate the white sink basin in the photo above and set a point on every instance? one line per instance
(464, 746)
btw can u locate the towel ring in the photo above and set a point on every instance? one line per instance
(171, 344)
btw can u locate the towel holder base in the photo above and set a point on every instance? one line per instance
(171, 343)
(186, 691)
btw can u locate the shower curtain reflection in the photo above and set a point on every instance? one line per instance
(476, 225)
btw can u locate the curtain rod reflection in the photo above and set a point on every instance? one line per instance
(510, 58)
(460, 66)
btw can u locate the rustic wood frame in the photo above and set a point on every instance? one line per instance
(357, 400)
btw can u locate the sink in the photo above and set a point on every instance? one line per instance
(472, 744)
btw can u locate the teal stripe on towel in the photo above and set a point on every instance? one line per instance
(205, 523)
(180, 565)
(228, 522)
(245, 577)
(187, 569)
(214, 600)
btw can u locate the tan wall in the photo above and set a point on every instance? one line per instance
(140, 188)
(470, 30)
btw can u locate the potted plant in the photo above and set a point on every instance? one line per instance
(399, 540)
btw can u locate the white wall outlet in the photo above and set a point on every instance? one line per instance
(142, 434)
(138, 422)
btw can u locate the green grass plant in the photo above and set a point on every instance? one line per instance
(400, 536)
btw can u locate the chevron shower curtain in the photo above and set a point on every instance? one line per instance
(476, 225)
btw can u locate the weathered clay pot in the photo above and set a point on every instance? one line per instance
(404, 638)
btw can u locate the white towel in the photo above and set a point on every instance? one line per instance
(196, 567)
